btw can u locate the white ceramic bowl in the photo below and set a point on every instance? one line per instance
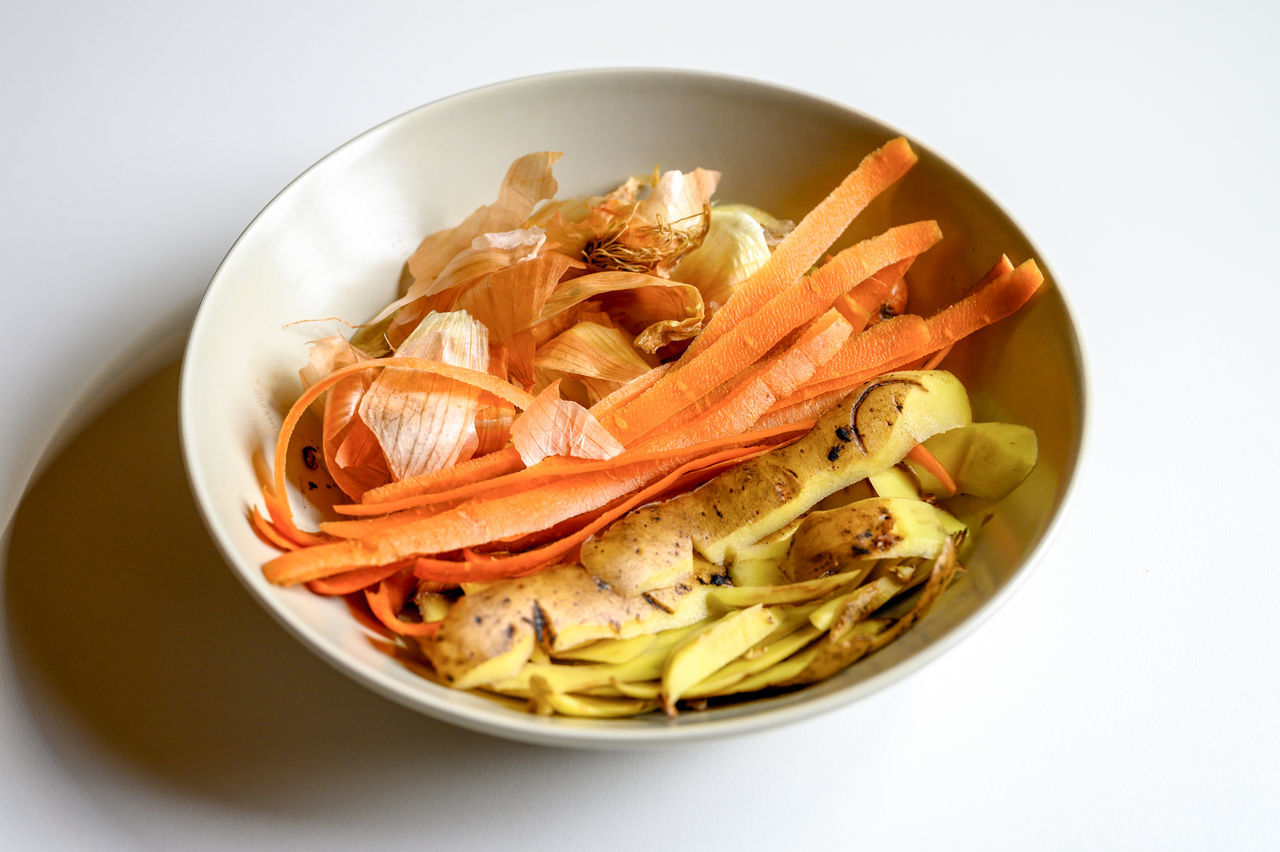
(333, 242)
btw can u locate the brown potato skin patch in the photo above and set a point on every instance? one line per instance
(826, 542)
(491, 621)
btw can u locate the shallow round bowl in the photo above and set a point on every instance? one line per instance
(334, 241)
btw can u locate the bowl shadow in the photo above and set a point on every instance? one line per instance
(133, 643)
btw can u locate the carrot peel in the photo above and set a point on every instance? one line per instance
(751, 338)
(929, 462)
(388, 598)
(815, 233)
(504, 567)
(277, 504)
(986, 305)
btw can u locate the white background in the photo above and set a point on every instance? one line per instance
(1125, 698)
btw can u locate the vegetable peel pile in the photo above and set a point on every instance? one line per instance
(641, 451)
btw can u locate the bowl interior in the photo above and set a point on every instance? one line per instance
(333, 243)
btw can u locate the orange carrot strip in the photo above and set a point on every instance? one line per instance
(353, 581)
(740, 402)
(773, 438)
(267, 531)
(876, 345)
(696, 474)
(282, 520)
(984, 306)
(800, 249)
(882, 347)
(800, 352)
(920, 455)
(277, 527)
(464, 526)
(471, 524)
(861, 303)
(1003, 266)
(885, 346)
(895, 302)
(502, 462)
(444, 564)
(521, 564)
(542, 471)
(693, 479)
(629, 391)
(529, 541)
(686, 482)
(852, 311)
(387, 599)
(557, 467)
(932, 362)
(791, 411)
(365, 526)
(751, 338)
(358, 606)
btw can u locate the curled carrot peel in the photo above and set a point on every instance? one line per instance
(387, 599)
(920, 455)
(281, 515)
(268, 532)
(353, 581)
(277, 504)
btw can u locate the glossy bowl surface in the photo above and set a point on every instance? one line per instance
(332, 243)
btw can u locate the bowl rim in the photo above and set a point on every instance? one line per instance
(494, 719)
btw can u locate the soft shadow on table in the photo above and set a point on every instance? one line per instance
(130, 633)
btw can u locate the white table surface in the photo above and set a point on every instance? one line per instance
(1125, 698)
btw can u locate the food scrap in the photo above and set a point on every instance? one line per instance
(648, 452)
